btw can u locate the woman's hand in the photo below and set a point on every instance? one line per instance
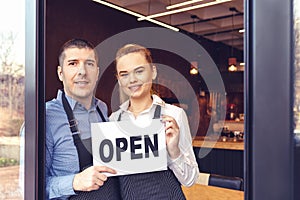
(172, 136)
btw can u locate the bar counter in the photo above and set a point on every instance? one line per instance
(208, 142)
(218, 157)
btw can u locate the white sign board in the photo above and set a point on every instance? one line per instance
(129, 149)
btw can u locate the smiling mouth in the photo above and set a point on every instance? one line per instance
(134, 88)
(81, 82)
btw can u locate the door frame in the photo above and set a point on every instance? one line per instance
(34, 100)
(269, 100)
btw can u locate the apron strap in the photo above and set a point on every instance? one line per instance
(157, 112)
(84, 156)
(69, 112)
(101, 115)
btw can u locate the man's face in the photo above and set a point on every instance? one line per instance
(79, 73)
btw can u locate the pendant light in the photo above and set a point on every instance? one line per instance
(194, 68)
(232, 60)
(194, 64)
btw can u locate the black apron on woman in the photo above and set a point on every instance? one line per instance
(160, 185)
(110, 190)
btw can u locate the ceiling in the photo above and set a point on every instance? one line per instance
(219, 23)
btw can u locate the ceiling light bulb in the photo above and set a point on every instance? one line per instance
(232, 68)
(193, 71)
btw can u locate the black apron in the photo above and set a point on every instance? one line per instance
(161, 185)
(111, 188)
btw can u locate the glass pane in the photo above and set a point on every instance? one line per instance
(297, 66)
(297, 98)
(12, 42)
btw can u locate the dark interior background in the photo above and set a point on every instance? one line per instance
(89, 20)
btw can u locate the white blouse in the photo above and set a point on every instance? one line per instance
(185, 167)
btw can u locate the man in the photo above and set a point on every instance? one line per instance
(69, 170)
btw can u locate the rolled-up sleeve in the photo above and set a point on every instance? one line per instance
(185, 167)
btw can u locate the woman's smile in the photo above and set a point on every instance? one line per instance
(134, 88)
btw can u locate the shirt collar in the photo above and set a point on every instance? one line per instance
(72, 101)
(156, 101)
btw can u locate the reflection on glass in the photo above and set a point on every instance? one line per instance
(296, 38)
(297, 67)
(12, 34)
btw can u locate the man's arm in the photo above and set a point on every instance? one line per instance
(65, 185)
(56, 186)
(59, 186)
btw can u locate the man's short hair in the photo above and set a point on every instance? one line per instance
(75, 43)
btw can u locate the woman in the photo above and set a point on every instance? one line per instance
(135, 73)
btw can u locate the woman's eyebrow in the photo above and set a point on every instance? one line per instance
(136, 68)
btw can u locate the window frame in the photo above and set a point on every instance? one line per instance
(34, 100)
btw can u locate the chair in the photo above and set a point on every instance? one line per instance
(235, 183)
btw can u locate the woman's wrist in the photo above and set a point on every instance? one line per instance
(174, 153)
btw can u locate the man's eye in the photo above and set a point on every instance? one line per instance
(123, 75)
(91, 64)
(72, 63)
(139, 71)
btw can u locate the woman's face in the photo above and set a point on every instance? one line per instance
(135, 75)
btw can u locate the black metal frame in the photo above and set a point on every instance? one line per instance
(34, 100)
(269, 100)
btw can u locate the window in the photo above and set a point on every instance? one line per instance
(296, 107)
(12, 85)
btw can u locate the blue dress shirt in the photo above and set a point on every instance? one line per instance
(61, 155)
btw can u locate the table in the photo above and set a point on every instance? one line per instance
(205, 192)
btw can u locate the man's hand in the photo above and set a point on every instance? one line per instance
(91, 178)
(172, 136)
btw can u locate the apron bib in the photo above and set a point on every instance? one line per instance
(161, 185)
(111, 188)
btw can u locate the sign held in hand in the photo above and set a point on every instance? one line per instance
(129, 149)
